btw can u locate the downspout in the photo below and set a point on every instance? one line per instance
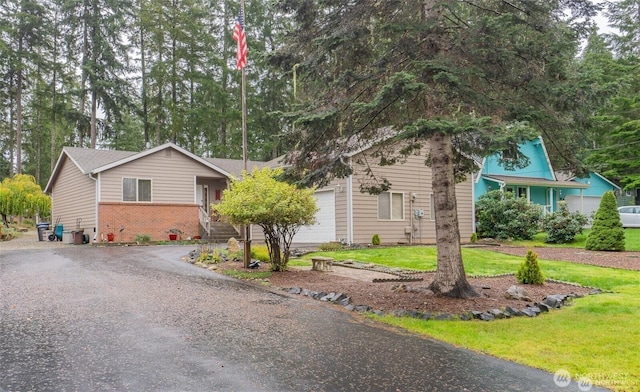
(349, 209)
(97, 180)
(473, 205)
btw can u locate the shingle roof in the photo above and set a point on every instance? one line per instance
(513, 180)
(88, 159)
(236, 166)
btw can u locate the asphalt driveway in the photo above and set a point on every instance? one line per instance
(139, 319)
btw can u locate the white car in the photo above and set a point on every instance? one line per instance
(630, 216)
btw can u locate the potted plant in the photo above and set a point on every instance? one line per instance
(173, 233)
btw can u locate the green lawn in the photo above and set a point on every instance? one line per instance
(632, 240)
(598, 337)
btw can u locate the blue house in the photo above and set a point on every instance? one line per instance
(588, 200)
(539, 184)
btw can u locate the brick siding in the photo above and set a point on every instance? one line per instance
(152, 219)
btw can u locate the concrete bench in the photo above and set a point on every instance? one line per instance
(320, 263)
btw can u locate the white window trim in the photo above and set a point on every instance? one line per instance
(138, 179)
(391, 193)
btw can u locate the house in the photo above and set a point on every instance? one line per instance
(404, 214)
(587, 201)
(123, 194)
(538, 182)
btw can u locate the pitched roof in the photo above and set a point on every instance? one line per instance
(88, 159)
(534, 181)
(236, 166)
(91, 161)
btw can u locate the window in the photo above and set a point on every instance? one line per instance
(135, 189)
(521, 191)
(391, 206)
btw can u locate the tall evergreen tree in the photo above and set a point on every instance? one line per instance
(464, 78)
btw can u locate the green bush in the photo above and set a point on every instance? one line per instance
(474, 238)
(261, 253)
(501, 216)
(607, 232)
(563, 226)
(330, 246)
(529, 272)
(142, 238)
(213, 256)
(375, 240)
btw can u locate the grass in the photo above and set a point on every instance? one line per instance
(597, 337)
(632, 241)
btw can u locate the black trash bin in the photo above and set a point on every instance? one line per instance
(42, 227)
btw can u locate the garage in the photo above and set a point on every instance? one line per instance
(585, 205)
(324, 229)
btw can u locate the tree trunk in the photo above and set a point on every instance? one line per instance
(450, 278)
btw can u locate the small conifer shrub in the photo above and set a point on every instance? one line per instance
(529, 272)
(375, 240)
(607, 232)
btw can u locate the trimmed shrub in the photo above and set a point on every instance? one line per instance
(501, 216)
(529, 272)
(563, 226)
(261, 253)
(474, 238)
(375, 240)
(607, 232)
(330, 246)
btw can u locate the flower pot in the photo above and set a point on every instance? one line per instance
(197, 237)
(110, 237)
(173, 237)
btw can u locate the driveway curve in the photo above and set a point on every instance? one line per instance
(139, 319)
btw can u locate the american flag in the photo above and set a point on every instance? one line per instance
(240, 37)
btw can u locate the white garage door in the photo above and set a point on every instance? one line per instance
(587, 205)
(325, 228)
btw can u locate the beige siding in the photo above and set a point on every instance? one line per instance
(408, 178)
(74, 198)
(171, 173)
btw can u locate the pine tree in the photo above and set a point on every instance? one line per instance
(464, 80)
(607, 232)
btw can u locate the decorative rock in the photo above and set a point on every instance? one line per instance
(399, 313)
(443, 316)
(318, 294)
(535, 309)
(379, 313)
(305, 292)
(487, 317)
(529, 312)
(466, 316)
(515, 292)
(554, 301)
(345, 301)
(497, 313)
(327, 297)
(414, 314)
(476, 314)
(295, 290)
(425, 316)
(512, 312)
(363, 308)
(543, 307)
(232, 245)
(350, 307)
(338, 297)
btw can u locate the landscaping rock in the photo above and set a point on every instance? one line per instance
(425, 316)
(529, 312)
(443, 316)
(497, 313)
(363, 308)
(295, 290)
(466, 316)
(487, 317)
(233, 245)
(516, 292)
(513, 312)
(345, 301)
(476, 314)
(543, 307)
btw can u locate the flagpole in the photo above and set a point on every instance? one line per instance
(247, 228)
